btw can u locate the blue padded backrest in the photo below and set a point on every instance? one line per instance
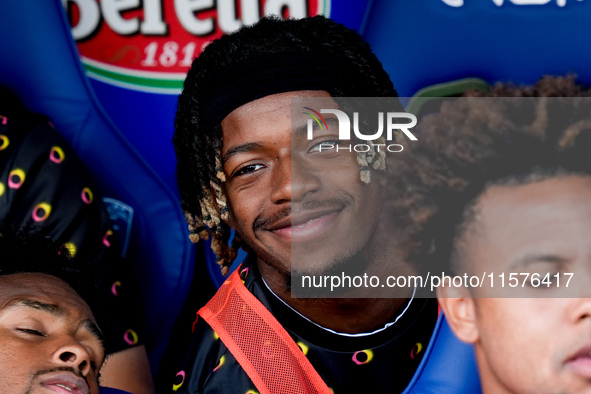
(426, 42)
(41, 65)
(108, 390)
(448, 366)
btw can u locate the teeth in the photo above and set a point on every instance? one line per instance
(308, 222)
(66, 387)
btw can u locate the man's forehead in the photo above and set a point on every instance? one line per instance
(280, 101)
(285, 110)
(32, 281)
(541, 221)
(43, 288)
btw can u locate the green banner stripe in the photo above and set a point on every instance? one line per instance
(135, 80)
(446, 89)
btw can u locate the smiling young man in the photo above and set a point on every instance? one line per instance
(49, 338)
(245, 164)
(510, 198)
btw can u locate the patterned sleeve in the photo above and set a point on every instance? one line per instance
(43, 183)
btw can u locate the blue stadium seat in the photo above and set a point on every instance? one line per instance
(448, 366)
(428, 42)
(40, 64)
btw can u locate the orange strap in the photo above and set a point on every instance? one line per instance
(266, 352)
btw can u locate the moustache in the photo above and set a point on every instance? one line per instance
(263, 222)
(59, 369)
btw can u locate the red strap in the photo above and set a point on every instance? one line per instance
(266, 352)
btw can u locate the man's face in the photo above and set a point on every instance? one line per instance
(49, 341)
(286, 197)
(540, 342)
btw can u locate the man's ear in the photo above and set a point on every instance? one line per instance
(460, 311)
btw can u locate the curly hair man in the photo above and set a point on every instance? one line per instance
(242, 166)
(500, 188)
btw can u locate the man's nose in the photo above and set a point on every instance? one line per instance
(581, 309)
(292, 180)
(72, 354)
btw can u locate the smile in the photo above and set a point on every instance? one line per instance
(303, 227)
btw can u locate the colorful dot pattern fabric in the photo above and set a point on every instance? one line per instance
(43, 183)
(383, 362)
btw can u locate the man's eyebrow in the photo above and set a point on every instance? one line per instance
(33, 304)
(303, 129)
(240, 149)
(538, 258)
(95, 331)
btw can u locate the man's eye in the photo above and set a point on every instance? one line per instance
(30, 331)
(248, 169)
(325, 146)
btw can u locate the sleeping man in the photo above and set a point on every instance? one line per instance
(49, 337)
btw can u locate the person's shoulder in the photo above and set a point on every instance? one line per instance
(214, 369)
(204, 352)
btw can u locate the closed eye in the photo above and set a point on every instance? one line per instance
(30, 331)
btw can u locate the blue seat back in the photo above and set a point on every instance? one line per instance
(427, 42)
(448, 366)
(40, 64)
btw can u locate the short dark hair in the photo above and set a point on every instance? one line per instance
(198, 146)
(474, 142)
(31, 250)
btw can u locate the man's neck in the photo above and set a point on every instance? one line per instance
(343, 315)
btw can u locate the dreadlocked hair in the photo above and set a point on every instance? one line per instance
(200, 175)
(504, 137)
